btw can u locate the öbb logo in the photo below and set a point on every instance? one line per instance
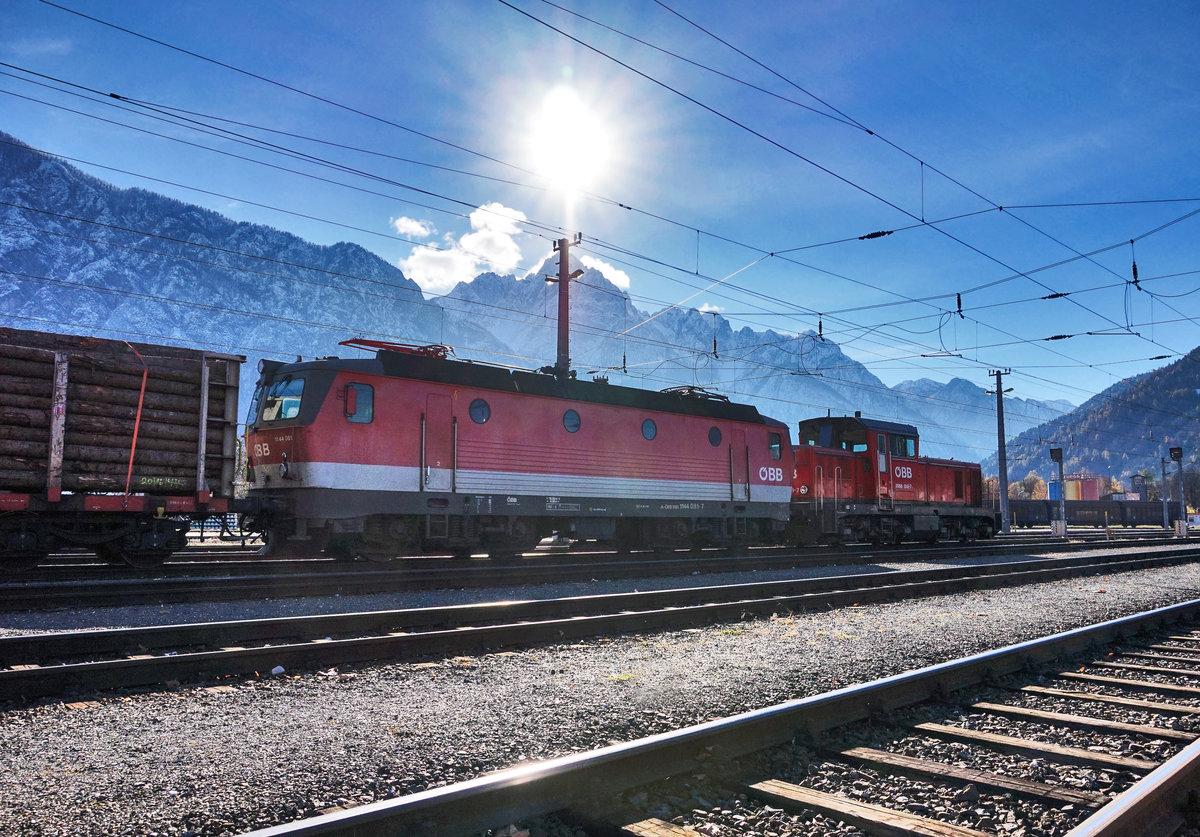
(904, 472)
(770, 474)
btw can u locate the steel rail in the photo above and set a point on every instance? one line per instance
(122, 591)
(25, 648)
(1153, 807)
(421, 633)
(586, 780)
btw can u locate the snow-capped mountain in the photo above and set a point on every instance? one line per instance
(80, 255)
(788, 376)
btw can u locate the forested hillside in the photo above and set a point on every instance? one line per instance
(1123, 431)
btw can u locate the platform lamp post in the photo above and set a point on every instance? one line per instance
(1177, 455)
(1056, 455)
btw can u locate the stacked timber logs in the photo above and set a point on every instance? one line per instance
(73, 409)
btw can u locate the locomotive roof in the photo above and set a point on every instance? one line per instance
(869, 424)
(441, 370)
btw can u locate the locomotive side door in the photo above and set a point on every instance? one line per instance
(437, 445)
(739, 467)
(884, 468)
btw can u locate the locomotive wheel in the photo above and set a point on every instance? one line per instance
(280, 542)
(522, 536)
(671, 533)
(510, 546)
(628, 536)
(344, 549)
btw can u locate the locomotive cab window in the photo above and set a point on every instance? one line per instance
(282, 400)
(854, 440)
(360, 403)
(775, 445)
(255, 405)
(903, 445)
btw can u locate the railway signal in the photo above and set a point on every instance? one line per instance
(1056, 455)
(1177, 456)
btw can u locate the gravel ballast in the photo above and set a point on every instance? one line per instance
(260, 751)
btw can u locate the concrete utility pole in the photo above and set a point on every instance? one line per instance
(1001, 453)
(562, 367)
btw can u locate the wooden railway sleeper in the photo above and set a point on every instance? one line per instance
(881, 820)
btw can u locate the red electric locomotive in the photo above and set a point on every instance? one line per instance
(413, 452)
(864, 480)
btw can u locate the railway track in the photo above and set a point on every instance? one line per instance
(234, 557)
(59, 663)
(1124, 768)
(282, 579)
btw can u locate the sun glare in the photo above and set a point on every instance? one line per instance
(569, 143)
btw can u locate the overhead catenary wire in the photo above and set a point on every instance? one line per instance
(216, 62)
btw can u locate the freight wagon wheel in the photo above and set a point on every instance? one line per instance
(143, 559)
(21, 562)
(109, 553)
(146, 559)
(22, 548)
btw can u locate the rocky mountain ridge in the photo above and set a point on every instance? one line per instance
(80, 255)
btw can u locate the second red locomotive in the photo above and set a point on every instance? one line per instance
(860, 479)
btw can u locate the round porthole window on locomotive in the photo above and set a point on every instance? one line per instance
(649, 429)
(480, 411)
(571, 421)
(714, 436)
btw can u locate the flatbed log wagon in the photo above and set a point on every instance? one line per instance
(111, 446)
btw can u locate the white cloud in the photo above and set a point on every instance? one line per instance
(40, 47)
(709, 308)
(437, 271)
(412, 228)
(497, 217)
(618, 277)
(492, 245)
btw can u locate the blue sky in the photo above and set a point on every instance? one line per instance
(743, 146)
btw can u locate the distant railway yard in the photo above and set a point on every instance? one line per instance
(846, 691)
